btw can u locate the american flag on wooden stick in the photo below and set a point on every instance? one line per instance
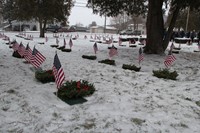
(28, 53)
(46, 39)
(21, 49)
(141, 55)
(120, 41)
(64, 42)
(70, 43)
(15, 46)
(172, 47)
(37, 58)
(110, 41)
(95, 47)
(58, 72)
(57, 41)
(198, 44)
(169, 59)
(113, 51)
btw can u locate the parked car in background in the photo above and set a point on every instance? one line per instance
(137, 32)
(53, 28)
(129, 32)
(65, 29)
(126, 32)
(123, 32)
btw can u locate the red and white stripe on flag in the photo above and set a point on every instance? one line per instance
(57, 41)
(21, 49)
(141, 55)
(169, 59)
(58, 72)
(37, 58)
(95, 47)
(120, 41)
(15, 46)
(64, 43)
(46, 39)
(113, 51)
(70, 43)
(28, 53)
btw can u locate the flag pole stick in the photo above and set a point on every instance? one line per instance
(54, 76)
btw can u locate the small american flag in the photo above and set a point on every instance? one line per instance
(104, 38)
(37, 58)
(172, 47)
(70, 43)
(110, 41)
(28, 53)
(46, 39)
(58, 71)
(21, 49)
(64, 42)
(143, 41)
(95, 48)
(113, 51)
(169, 59)
(198, 45)
(15, 46)
(129, 41)
(57, 41)
(120, 41)
(141, 56)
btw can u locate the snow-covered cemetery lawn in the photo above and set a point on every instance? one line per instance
(124, 101)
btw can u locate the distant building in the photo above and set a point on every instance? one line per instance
(138, 27)
(100, 29)
(24, 25)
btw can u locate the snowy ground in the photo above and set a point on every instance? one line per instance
(124, 101)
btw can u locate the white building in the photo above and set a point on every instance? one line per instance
(25, 25)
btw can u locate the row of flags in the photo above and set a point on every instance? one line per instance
(31, 56)
(36, 58)
(64, 43)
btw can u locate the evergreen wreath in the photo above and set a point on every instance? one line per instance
(165, 73)
(54, 46)
(131, 67)
(90, 57)
(44, 76)
(75, 89)
(108, 61)
(66, 50)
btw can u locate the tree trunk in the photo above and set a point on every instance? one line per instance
(170, 28)
(42, 27)
(155, 28)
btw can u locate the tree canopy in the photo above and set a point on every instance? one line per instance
(157, 38)
(116, 7)
(44, 11)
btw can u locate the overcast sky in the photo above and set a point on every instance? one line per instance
(84, 15)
